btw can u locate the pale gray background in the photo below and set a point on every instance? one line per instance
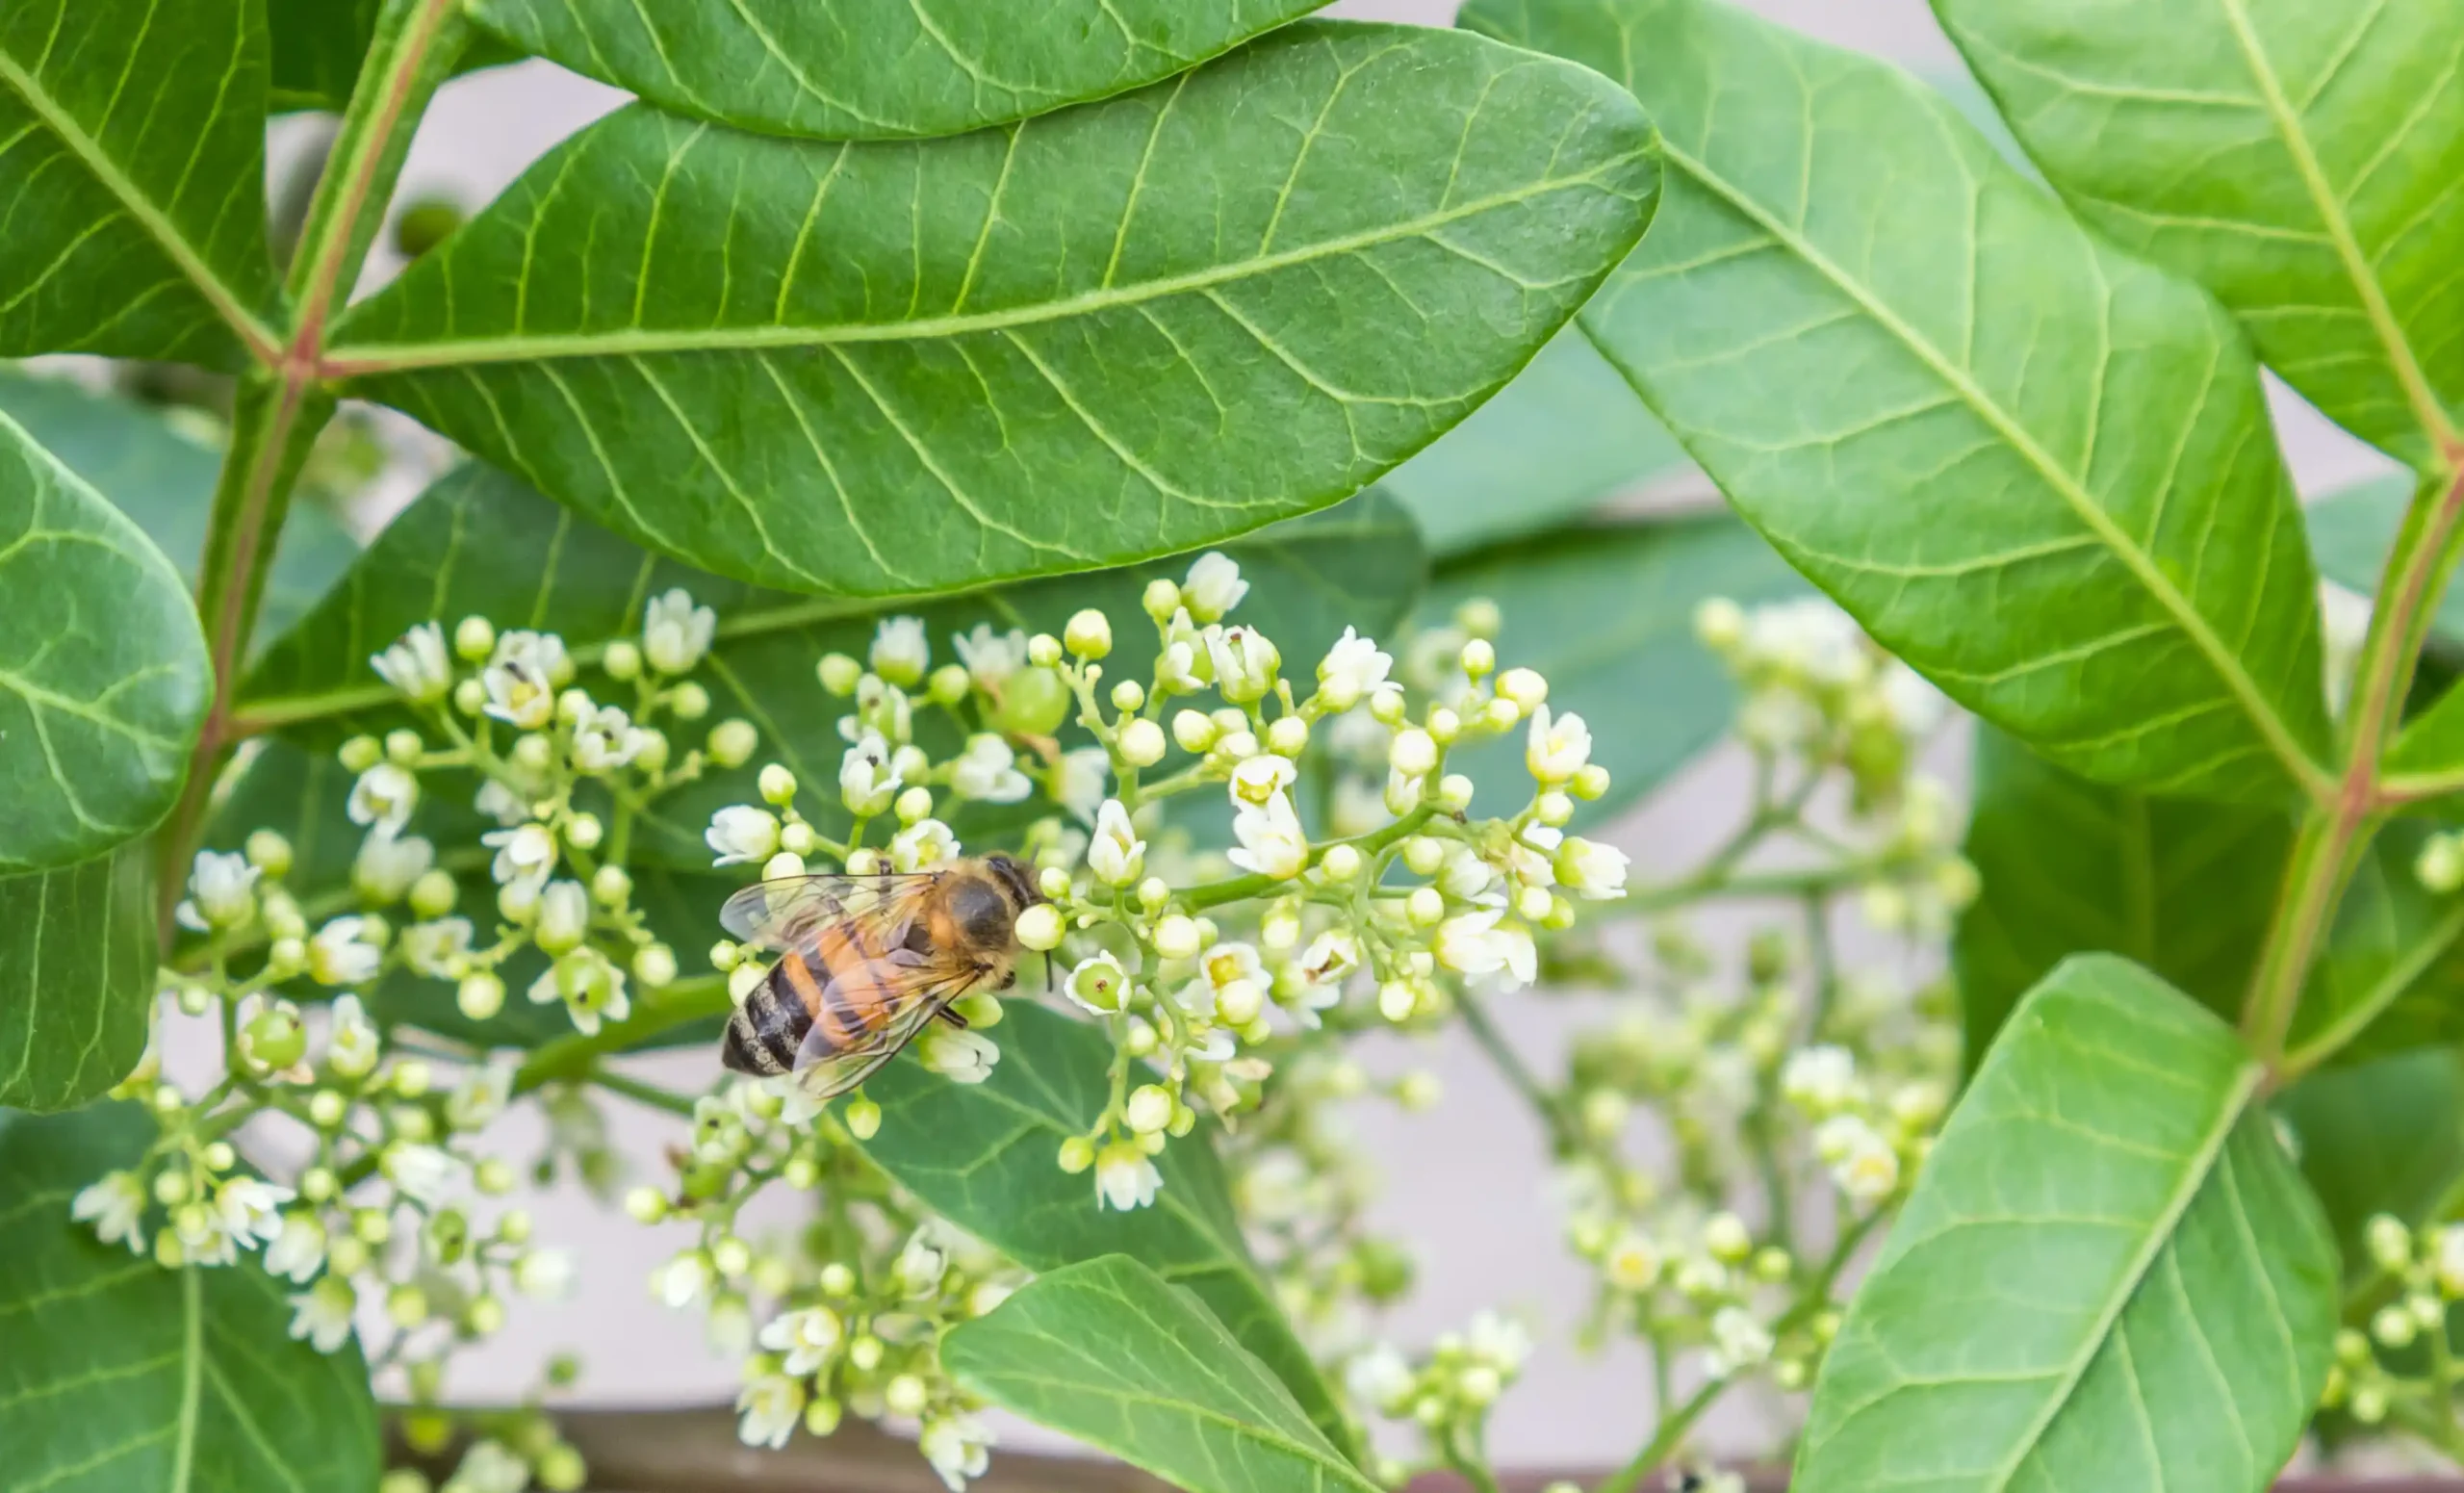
(1464, 1182)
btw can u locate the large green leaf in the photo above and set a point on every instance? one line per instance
(76, 978)
(164, 480)
(482, 542)
(1565, 435)
(1607, 615)
(2352, 529)
(103, 673)
(2109, 1274)
(875, 69)
(983, 1156)
(2037, 469)
(132, 178)
(1042, 349)
(2069, 866)
(2300, 156)
(2381, 1136)
(1110, 1353)
(124, 1377)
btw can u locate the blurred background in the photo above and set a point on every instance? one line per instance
(1466, 1182)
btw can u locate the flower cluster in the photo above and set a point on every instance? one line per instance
(2381, 1372)
(1447, 1391)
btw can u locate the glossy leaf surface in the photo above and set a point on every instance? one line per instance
(76, 978)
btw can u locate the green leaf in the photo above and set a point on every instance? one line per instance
(162, 477)
(877, 69)
(1028, 351)
(76, 978)
(2035, 468)
(1107, 1352)
(2299, 156)
(2390, 976)
(2109, 1274)
(320, 46)
(123, 1377)
(132, 177)
(1607, 615)
(2069, 866)
(983, 1157)
(1554, 444)
(103, 673)
(2352, 529)
(2385, 1136)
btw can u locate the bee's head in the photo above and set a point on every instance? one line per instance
(1018, 883)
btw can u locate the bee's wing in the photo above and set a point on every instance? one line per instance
(907, 991)
(790, 911)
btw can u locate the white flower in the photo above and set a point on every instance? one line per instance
(1472, 943)
(544, 1274)
(988, 770)
(482, 1094)
(1260, 778)
(1869, 1172)
(1809, 637)
(1124, 1178)
(2448, 1259)
(384, 796)
(1379, 1379)
(250, 1211)
(1632, 1262)
(901, 651)
(1244, 662)
(298, 1251)
(416, 664)
(1272, 842)
(1819, 1079)
(1080, 781)
(683, 1280)
(589, 983)
(431, 948)
(222, 892)
(958, 1447)
(962, 1057)
(1557, 746)
(1116, 853)
(521, 677)
(1591, 870)
(1915, 707)
(868, 779)
(1501, 1342)
(383, 870)
(422, 1173)
(351, 1043)
(806, 1338)
(524, 856)
(920, 1265)
(321, 1314)
(1100, 983)
(114, 1206)
(770, 1405)
(606, 739)
(1739, 1340)
(1183, 667)
(1330, 957)
(1465, 876)
(674, 632)
(990, 658)
(336, 956)
(1214, 586)
(1352, 669)
(922, 845)
(564, 916)
(742, 834)
(500, 803)
(489, 1467)
(1842, 1136)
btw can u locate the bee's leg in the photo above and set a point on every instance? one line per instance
(952, 1018)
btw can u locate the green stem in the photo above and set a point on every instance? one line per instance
(641, 1092)
(577, 1056)
(1564, 1127)
(1235, 889)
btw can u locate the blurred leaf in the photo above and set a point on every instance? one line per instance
(1029, 350)
(2038, 470)
(2381, 1136)
(873, 69)
(2069, 866)
(319, 46)
(2391, 977)
(1108, 1352)
(2299, 156)
(983, 1157)
(2109, 1274)
(2352, 531)
(76, 978)
(1565, 436)
(1607, 615)
(103, 673)
(122, 1376)
(164, 480)
(134, 232)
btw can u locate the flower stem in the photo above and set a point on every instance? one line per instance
(1235, 889)
(577, 1056)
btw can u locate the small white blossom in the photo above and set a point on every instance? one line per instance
(1260, 778)
(1080, 781)
(298, 1251)
(386, 865)
(606, 740)
(1819, 1080)
(524, 856)
(1244, 662)
(589, 983)
(742, 834)
(921, 1263)
(922, 845)
(1379, 1379)
(431, 948)
(416, 664)
(522, 676)
(351, 1046)
(769, 1406)
(958, 1446)
(1465, 876)
(250, 1211)
(564, 916)
(1739, 1340)
(321, 1314)
(1869, 1172)
(962, 1057)
(1214, 586)
(423, 1172)
(901, 651)
(804, 1338)
(489, 1466)
(484, 1091)
(337, 955)
(1114, 853)
(1478, 943)
(1557, 746)
(1632, 1262)
(1100, 983)
(869, 776)
(222, 892)
(988, 771)
(990, 658)
(500, 803)
(1351, 670)
(1124, 1178)
(1591, 870)
(1501, 1342)
(115, 1205)
(674, 632)
(1272, 840)
(683, 1280)
(384, 797)
(544, 1274)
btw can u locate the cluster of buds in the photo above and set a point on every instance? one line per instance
(1446, 1392)
(2376, 1371)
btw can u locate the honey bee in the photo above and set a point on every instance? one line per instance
(866, 961)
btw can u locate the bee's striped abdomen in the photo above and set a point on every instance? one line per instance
(766, 1033)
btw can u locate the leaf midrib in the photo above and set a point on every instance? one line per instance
(256, 335)
(2082, 505)
(1325, 1462)
(364, 359)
